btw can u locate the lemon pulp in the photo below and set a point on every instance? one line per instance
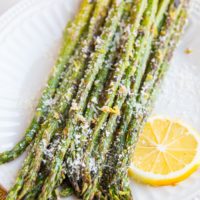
(167, 152)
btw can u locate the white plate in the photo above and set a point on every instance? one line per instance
(30, 36)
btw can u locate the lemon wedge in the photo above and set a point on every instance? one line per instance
(167, 153)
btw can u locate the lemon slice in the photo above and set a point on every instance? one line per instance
(167, 152)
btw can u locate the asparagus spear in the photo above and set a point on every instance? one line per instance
(56, 117)
(73, 75)
(73, 34)
(121, 66)
(98, 86)
(36, 189)
(153, 70)
(63, 189)
(149, 105)
(140, 60)
(132, 74)
(78, 104)
(77, 148)
(31, 195)
(178, 29)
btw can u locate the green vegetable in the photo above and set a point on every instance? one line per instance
(76, 147)
(119, 184)
(73, 34)
(132, 73)
(121, 66)
(80, 19)
(79, 102)
(92, 111)
(135, 85)
(56, 117)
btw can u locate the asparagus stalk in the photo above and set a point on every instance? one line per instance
(77, 148)
(121, 66)
(73, 34)
(79, 102)
(70, 79)
(62, 190)
(131, 74)
(140, 61)
(36, 189)
(32, 194)
(154, 68)
(71, 156)
(178, 29)
(149, 105)
(99, 14)
(56, 117)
